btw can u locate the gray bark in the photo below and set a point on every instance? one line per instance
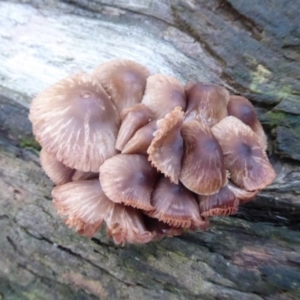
(251, 47)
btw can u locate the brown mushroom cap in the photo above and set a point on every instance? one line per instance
(84, 204)
(141, 140)
(247, 163)
(71, 117)
(206, 103)
(166, 149)
(55, 170)
(223, 203)
(133, 118)
(243, 195)
(203, 168)
(175, 205)
(128, 179)
(163, 93)
(243, 109)
(124, 81)
(125, 224)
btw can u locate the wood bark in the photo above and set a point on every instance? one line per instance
(251, 47)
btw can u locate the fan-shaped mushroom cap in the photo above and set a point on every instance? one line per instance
(175, 205)
(206, 103)
(133, 118)
(124, 81)
(163, 93)
(56, 171)
(75, 120)
(125, 224)
(243, 109)
(160, 229)
(141, 140)
(128, 179)
(203, 168)
(223, 203)
(247, 163)
(84, 204)
(243, 195)
(166, 149)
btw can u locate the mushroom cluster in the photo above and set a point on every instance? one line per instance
(144, 154)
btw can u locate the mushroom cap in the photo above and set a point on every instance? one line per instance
(71, 117)
(126, 224)
(124, 80)
(133, 118)
(166, 149)
(128, 179)
(243, 195)
(141, 140)
(175, 205)
(223, 203)
(55, 170)
(84, 204)
(243, 109)
(203, 168)
(163, 93)
(79, 175)
(206, 103)
(247, 163)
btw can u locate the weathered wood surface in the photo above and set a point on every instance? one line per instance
(252, 47)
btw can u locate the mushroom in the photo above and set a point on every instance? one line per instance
(141, 140)
(203, 168)
(163, 93)
(84, 204)
(128, 179)
(223, 203)
(124, 81)
(175, 205)
(247, 163)
(243, 195)
(55, 170)
(243, 109)
(166, 149)
(125, 224)
(206, 103)
(71, 117)
(133, 118)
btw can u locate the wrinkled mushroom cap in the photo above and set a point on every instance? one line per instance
(124, 80)
(247, 163)
(163, 93)
(203, 168)
(166, 149)
(71, 117)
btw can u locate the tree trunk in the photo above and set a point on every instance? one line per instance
(251, 47)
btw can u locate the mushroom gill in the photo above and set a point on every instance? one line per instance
(182, 160)
(71, 117)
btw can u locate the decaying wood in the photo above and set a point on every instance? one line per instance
(251, 47)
